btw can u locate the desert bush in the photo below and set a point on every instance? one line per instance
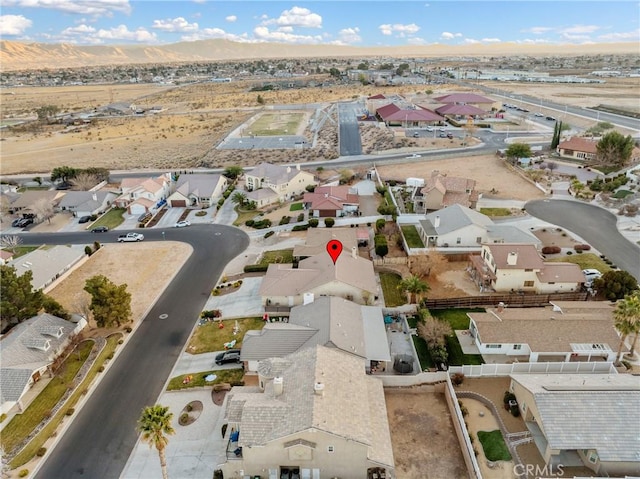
(581, 247)
(551, 250)
(41, 451)
(70, 411)
(23, 473)
(268, 234)
(457, 379)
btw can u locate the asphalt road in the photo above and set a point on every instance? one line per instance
(98, 443)
(595, 225)
(349, 133)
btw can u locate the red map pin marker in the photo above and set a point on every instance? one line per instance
(334, 248)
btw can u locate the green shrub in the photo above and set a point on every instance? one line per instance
(249, 222)
(201, 213)
(269, 233)
(329, 222)
(313, 222)
(301, 217)
(255, 268)
(381, 247)
(88, 251)
(380, 222)
(300, 228)
(41, 451)
(128, 329)
(285, 220)
(70, 411)
(23, 473)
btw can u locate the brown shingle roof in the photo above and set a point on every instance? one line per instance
(527, 256)
(560, 273)
(577, 143)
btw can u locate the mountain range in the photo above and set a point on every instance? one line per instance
(28, 56)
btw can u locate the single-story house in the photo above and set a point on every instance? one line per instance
(459, 226)
(86, 203)
(315, 413)
(27, 351)
(317, 239)
(470, 99)
(47, 264)
(352, 277)
(441, 191)
(520, 267)
(564, 331)
(328, 321)
(588, 420)
(332, 201)
(282, 183)
(578, 148)
(5, 256)
(393, 115)
(29, 198)
(198, 189)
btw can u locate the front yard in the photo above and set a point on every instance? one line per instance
(284, 256)
(211, 337)
(197, 379)
(111, 219)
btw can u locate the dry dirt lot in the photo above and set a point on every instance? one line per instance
(490, 172)
(425, 445)
(154, 265)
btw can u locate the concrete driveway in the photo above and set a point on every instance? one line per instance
(244, 302)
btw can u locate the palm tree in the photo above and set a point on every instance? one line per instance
(627, 320)
(239, 198)
(414, 286)
(155, 425)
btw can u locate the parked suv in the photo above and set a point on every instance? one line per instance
(229, 356)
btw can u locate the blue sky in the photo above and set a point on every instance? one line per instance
(358, 23)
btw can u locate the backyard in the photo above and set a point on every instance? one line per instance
(392, 295)
(458, 320)
(412, 236)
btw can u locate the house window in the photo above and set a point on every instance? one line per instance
(458, 240)
(517, 346)
(494, 346)
(528, 284)
(330, 448)
(528, 270)
(479, 240)
(593, 457)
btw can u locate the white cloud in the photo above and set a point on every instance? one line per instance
(231, 18)
(14, 24)
(296, 17)
(537, 30)
(263, 33)
(349, 35)
(490, 40)
(471, 41)
(449, 35)
(285, 29)
(178, 24)
(532, 41)
(122, 32)
(79, 7)
(398, 28)
(78, 30)
(621, 36)
(580, 29)
(570, 37)
(213, 33)
(416, 41)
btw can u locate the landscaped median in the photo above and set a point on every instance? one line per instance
(42, 404)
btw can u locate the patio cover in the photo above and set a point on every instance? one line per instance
(375, 334)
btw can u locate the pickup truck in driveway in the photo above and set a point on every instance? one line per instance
(130, 237)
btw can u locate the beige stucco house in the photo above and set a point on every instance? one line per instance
(520, 267)
(141, 195)
(441, 191)
(315, 414)
(280, 183)
(352, 277)
(578, 148)
(199, 189)
(588, 420)
(564, 331)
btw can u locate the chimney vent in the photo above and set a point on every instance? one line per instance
(354, 252)
(94, 197)
(288, 169)
(436, 222)
(318, 389)
(278, 385)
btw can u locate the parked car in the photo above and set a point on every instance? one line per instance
(416, 134)
(229, 356)
(84, 219)
(550, 118)
(25, 222)
(100, 229)
(16, 222)
(590, 274)
(539, 115)
(450, 135)
(182, 224)
(442, 129)
(130, 237)
(443, 134)
(429, 128)
(415, 155)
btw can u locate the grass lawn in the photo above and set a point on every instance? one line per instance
(494, 446)
(244, 216)
(209, 337)
(36, 443)
(274, 124)
(296, 207)
(223, 376)
(458, 320)
(22, 189)
(22, 250)
(412, 236)
(283, 256)
(622, 194)
(585, 261)
(421, 346)
(495, 211)
(392, 295)
(22, 424)
(111, 219)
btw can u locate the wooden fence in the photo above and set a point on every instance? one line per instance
(510, 299)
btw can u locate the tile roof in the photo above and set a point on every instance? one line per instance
(351, 406)
(395, 113)
(274, 340)
(511, 234)
(261, 194)
(85, 200)
(46, 263)
(560, 273)
(527, 255)
(22, 351)
(453, 109)
(201, 185)
(29, 197)
(453, 218)
(456, 190)
(549, 329)
(274, 174)
(317, 239)
(588, 411)
(577, 143)
(331, 197)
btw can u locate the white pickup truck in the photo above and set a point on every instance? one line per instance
(130, 237)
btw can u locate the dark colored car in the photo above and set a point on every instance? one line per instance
(24, 222)
(84, 219)
(16, 222)
(229, 356)
(100, 229)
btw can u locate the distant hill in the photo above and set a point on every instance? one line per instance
(26, 56)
